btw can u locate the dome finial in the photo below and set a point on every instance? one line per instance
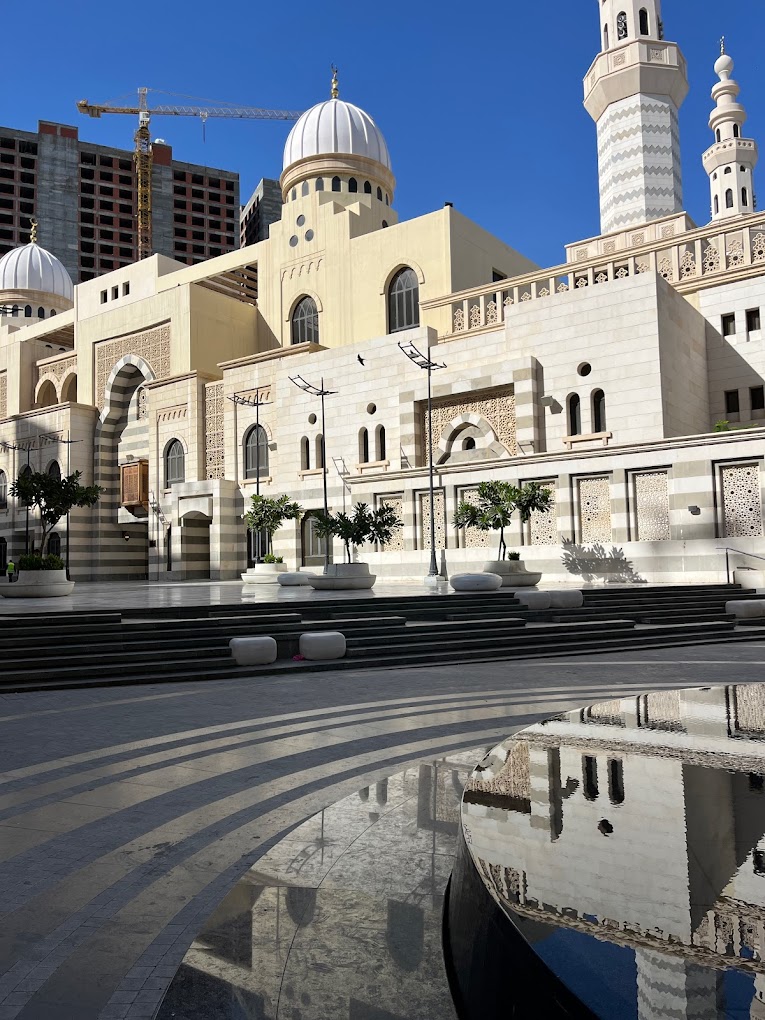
(33, 232)
(722, 46)
(335, 92)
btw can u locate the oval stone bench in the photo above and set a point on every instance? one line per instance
(475, 582)
(565, 599)
(295, 577)
(746, 609)
(534, 599)
(322, 644)
(253, 651)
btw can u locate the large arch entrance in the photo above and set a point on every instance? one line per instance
(195, 546)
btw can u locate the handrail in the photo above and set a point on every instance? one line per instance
(729, 549)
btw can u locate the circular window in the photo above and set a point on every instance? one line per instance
(311, 419)
(585, 368)
(293, 240)
(300, 220)
(309, 235)
(371, 408)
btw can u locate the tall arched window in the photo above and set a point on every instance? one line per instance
(3, 490)
(304, 189)
(305, 454)
(54, 470)
(15, 311)
(27, 311)
(363, 446)
(574, 415)
(590, 776)
(175, 463)
(718, 135)
(53, 311)
(379, 194)
(598, 411)
(353, 184)
(744, 197)
(621, 25)
(717, 205)
(305, 322)
(335, 183)
(643, 21)
(320, 184)
(736, 131)
(605, 37)
(54, 544)
(40, 312)
(256, 453)
(729, 199)
(403, 301)
(380, 442)
(367, 187)
(319, 451)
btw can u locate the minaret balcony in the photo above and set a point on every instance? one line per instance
(647, 66)
(731, 150)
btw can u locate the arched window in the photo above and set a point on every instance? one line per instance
(380, 442)
(729, 199)
(590, 776)
(728, 170)
(643, 21)
(304, 189)
(53, 311)
(41, 312)
(54, 544)
(367, 188)
(379, 194)
(598, 411)
(353, 185)
(621, 25)
(27, 311)
(605, 37)
(69, 390)
(574, 415)
(403, 301)
(718, 135)
(335, 183)
(319, 451)
(305, 454)
(305, 322)
(615, 781)
(363, 446)
(175, 463)
(717, 205)
(744, 197)
(256, 453)
(54, 470)
(3, 490)
(320, 184)
(15, 311)
(386, 199)
(736, 131)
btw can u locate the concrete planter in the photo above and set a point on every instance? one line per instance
(749, 577)
(343, 577)
(38, 584)
(513, 573)
(263, 573)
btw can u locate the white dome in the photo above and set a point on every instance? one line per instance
(335, 127)
(33, 268)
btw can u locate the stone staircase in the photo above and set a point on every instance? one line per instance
(82, 649)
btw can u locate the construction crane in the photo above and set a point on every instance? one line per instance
(142, 153)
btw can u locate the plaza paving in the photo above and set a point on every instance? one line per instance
(127, 814)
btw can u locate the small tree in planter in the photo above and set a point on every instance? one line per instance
(53, 498)
(361, 526)
(268, 513)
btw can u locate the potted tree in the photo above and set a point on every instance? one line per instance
(355, 529)
(42, 575)
(267, 514)
(496, 504)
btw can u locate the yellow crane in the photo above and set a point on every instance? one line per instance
(142, 153)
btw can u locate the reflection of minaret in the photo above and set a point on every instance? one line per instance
(633, 91)
(669, 988)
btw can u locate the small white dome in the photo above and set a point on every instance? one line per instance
(33, 268)
(335, 127)
(724, 66)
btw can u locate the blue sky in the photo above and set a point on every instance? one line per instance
(481, 105)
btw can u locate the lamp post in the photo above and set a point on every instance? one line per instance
(425, 362)
(257, 403)
(319, 391)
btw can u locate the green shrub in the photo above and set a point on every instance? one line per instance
(513, 555)
(270, 558)
(33, 561)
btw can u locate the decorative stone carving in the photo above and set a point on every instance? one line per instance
(475, 316)
(173, 413)
(758, 247)
(638, 238)
(497, 407)
(642, 267)
(581, 254)
(668, 231)
(459, 320)
(619, 59)
(58, 369)
(3, 394)
(473, 538)
(395, 501)
(595, 509)
(711, 261)
(215, 464)
(512, 779)
(143, 403)
(562, 288)
(543, 527)
(153, 346)
(491, 312)
(656, 54)
(439, 507)
(601, 278)
(687, 266)
(526, 296)
(735, 254)
(622, 273)
(508, 301)
(652, 506)
(609, 247)
(742, 502)
(544, 292)
(665, 269)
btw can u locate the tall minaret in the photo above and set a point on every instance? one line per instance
(730, 162)
(633, 92)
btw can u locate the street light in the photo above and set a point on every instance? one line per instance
(423, 361)
(319, 391)
(257, 403)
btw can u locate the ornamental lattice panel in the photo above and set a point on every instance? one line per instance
(543, 527)
(3, 394)
(153, 345)
(396, 501)
(742, 501)
(652, 506)
(595, 509)
(497, 408)
(439, 506)
(215, 461)
(473, 538)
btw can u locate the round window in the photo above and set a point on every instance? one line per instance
(300, 220)
(311, 419)
(309, 235)
(371, 408)
(293, 241)
(585, 368)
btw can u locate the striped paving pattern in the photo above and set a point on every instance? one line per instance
(126, 815)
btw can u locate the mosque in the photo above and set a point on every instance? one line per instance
(630, 379)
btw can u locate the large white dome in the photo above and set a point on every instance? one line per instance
(33, 268)
(335, 127)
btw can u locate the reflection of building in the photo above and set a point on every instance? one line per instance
(641, 822)
(597, 377)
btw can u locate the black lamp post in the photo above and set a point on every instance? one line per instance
(319, 391)
(423, 361)
(257, 403)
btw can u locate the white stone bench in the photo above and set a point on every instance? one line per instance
(475, 582)
(746, 609)
(295, 577)
(534, 599)
(322, 644)
(566, 599)
(253, 651)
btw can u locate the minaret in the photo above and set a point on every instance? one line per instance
(633, 91)
(731, 160)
